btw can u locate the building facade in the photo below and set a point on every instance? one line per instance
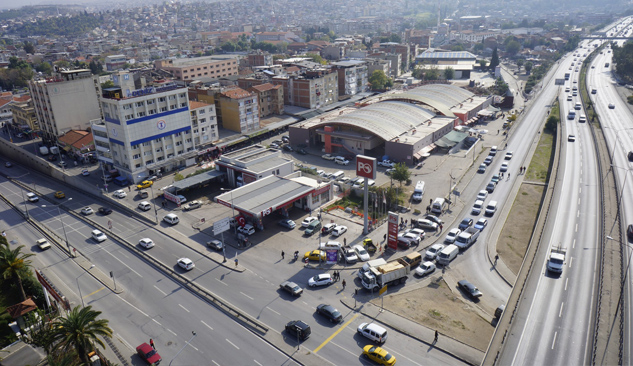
(24, 116)
(271, 99)
(204, 123)
(315, 88)
(67, 101)
(115, 62)
(188, 69)
(352, 77)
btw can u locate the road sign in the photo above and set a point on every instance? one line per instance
(366, 167)
(382, 290)
(221, 226)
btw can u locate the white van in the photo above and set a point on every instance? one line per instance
(493, 150)
(338, 175)
(438, 206)
(582, 118)
(447, 254)
(330, 245)
(491, 208)
(373, 332)
(418, 192)
(578, 106)
(145, 206)
(171, 219)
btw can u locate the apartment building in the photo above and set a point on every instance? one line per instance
(403, 49)
(115, 62)
(352, 76)
(271, 99)
(24, 117)
(67, 101)
(188, 69)
(374, 64)
(394, 60)
(204, 123)
(237, 109)
(144, 131)
(313, 88)
(259, 58)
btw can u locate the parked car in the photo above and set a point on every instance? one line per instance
(306, 222)
(287, 223)
(85, 172)
(481, 224)
(452, 235)
(425, 268)
(491, 187)
(247, 229)
(192, 205)
(327, 157)
(339, 230)
(361, 253)
(291, 287)
(470, 289)
(482, 168)
(427, 225)
(477, 207)
(315, 255)
(509, 155)
(119, 193)
(323, 279)
(215, 244)
(329, 312)
(482, 195)
(349, 255)
(488, 160)
(504, 167)
(495, 178)
(386, 163)
(298, 329)
(148, 354)
(434, 218)
(327, 228)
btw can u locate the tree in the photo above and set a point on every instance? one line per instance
(317, 58)
(513, 47)
(449, 73)
(401, 173)
(520, 63)
(378, 80)
(29, 48)
(478, 47)
(552, 123)
(107, 84)
(79, 331)
(494, 60)
(482, 63)
(44, 68)
(528, 67)
(15, 265)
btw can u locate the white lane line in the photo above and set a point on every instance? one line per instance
(560, 312)
(573, 245)
(566, 280)
(124, 341)
(578, 213)
(576, 227)
(578, 201)
(221, 282)
(194, 347)
(580, 190)
(128, 267)
(344, 349)
(135, 308)
(272, 310)
(184, 308)
(554, 341)
(215, 363)
(156, 321)
(246, 295)
(257, 363)
(205, 324)
(571, 260)
(170, 331)
(161, 291)
(232, 343)
(305, 303)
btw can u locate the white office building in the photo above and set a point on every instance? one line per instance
(146, 131)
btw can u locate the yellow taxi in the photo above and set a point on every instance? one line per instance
(379, 355)
(59, 194)
(315, 255)
(144, 184)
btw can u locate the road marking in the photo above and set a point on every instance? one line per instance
(576, 227)
(170, 331)
(554, 341)
(304, 302)
(334, 334)
(246, 295)
(135, 308)
(257, 363)
(184, 308)
(573, 243)
(156, 321)
(205, 324)
(566, 280)
(231, 343)
(215, 363)
(272, 310)
(128, 267)
(194, 347)
(578, 201)
(571, 260)
(94, 292)
(578, 213)
(124, 341)
(580, 190)
(560, 313)
(159, 290)
(222, 282)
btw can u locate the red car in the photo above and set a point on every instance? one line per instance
(148, 354)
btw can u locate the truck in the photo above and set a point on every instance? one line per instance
(467, 238)
(372, 263)
(556, 260)
(54, 150)
(43, 150)
(392, 273)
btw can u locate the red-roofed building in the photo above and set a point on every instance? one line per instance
(271, 99)
(236, 109)
(77, 143)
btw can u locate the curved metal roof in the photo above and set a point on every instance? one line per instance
(439, 96)
(388, 119)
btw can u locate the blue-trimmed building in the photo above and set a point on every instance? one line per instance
(146, 131)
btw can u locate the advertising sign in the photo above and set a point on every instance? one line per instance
(331, 256)
(366, 167)
(392, 231)
(221, 226)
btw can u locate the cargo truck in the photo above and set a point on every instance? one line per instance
(556, 260)
(466, 238)
(43, 150)
(392, 273)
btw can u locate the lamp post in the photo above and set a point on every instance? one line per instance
(450, 184)
(154, 202)
(79, 287)
(183, 347)
(232, 207)
(26, 210)
(60, 220)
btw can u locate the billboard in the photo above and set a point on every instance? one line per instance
(366, 167)
(392, 231)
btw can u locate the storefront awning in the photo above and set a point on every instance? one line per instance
(425, 152)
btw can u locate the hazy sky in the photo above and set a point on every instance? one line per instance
(12, 4)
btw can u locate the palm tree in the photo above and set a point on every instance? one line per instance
(79, 331)
(14, 264)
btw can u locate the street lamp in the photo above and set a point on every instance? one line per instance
(232, 207)
(79, 287)
(26, 210)
(60, 220)
(154, 202)
(450, 184)
(183, 347)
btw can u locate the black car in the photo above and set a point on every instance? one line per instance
(491, 187)
(330, 312)
(288, 148)
(105, 210)
(302, 152)
(298, 329)
(630, 155)
(466, 223)
(470, 289)
(629, 232)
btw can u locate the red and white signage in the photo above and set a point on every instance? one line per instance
(241, 221)
(366, 166)
(392, 231)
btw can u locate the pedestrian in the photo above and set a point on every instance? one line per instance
(343, 283)
(282, 254)
(151, 343)
(496, 258)
(384, 237)
(406, 222)
(441, 227)
(428, 208)
(344, 241)
(508, 176)
(436, 336)
(497, 132)
(235, 262)
(129, 188)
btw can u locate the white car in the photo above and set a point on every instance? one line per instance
(482, 194)
(119, 193)
(350, 255)
(339, 230)
(247, 229)
(509, 155)
(504, 167)
(327, 157)
(387, 163)
(43, 244)
(477, 207)
(85, 172)
(308, 220)
(322, 279)
(452, 235)
(425, 268)
(32, 197)
(341, 161)
(87, 211)
(361, 253)
(99, 236)
(146, 243)
(410, 238)
(186, 263)
(419, 232)
(433, 251)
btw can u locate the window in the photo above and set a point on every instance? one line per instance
(158, 139)
(127, 106)
(150, 102)
(149, 162)
(169, 147)
(146, 144)
(178, 143)
(172, 97)
(129, 117)
(163, 109)
(137, 165)
(182, 105)
(151, 111)
(180, 152)
(159, 149)
(202, 111)
(195, 131)
(136, 156)
(161, 99)
(147, 153)
(134, 147)
(188, 140)
(205, 138)
(202, 120)
(173, 106)
(139, 104)
(140, 114)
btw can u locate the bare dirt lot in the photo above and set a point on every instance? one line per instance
(436, 307)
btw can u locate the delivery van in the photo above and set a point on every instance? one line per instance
(438, 206)
(418, 192)
(447, 255)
